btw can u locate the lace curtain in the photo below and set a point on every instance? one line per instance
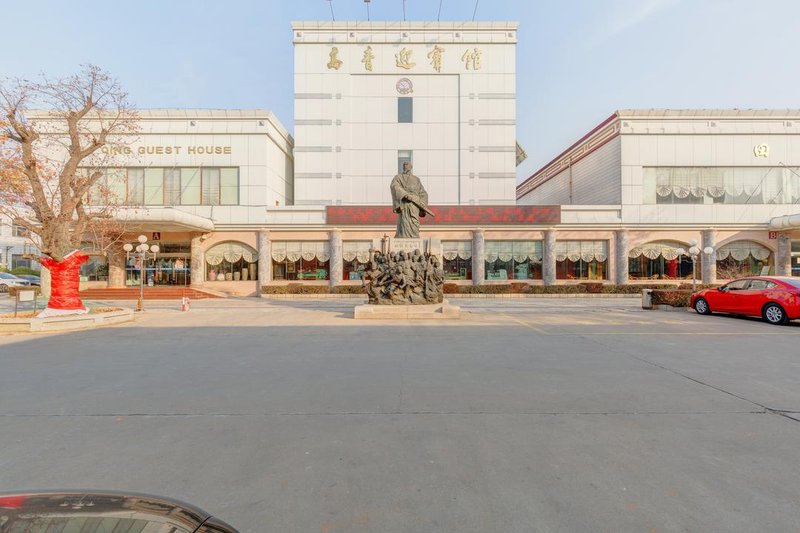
(230, 252)
(652, 250)
(358, 250)
(519, 251)
(740, 250)
(457, 249)
(294, 250)
(736, 184)
(581, 250)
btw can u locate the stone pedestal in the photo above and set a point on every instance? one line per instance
(783, 256)
(198, 262)
(621, 257)
(549, 257)
(407, 312)
(478, 256)
(708, 262)
(336, 272)
(264, 258)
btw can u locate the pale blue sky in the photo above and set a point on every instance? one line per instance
(577, 60)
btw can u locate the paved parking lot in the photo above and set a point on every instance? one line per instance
(526, 415)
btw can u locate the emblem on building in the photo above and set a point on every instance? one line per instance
(404, 86)
(761, 150)
(335, 62)
(472, 58)
(435, 56)
(367, 59)
(403, 59)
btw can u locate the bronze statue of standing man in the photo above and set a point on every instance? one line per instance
(410, 201)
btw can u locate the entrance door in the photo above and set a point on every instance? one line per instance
(164, 270)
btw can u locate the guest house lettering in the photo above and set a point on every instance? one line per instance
(168, 150)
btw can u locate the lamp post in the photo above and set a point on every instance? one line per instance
(694, 251)
(142, 253)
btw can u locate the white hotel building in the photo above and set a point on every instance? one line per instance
(236, 203)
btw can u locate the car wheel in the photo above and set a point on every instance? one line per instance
(774, 314)
(701, 306)
(3, 288)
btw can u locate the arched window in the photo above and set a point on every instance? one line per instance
(659, 260)
(743, 258)
(231, 261)
(582, 260)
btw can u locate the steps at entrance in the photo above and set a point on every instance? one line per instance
(150, 293)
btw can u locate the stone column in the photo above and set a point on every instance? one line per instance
(264, 259)
(198, 262)
(621, 257)
(708, 262)
(336, 272)
(478, 256)
(549, 259)
(116, 268)
(783, 257)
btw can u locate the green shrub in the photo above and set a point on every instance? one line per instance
(673, 297)
(300, 288)
(349, 289)
(273, 289)
(24, 271)
(450, 288)
(12, 291)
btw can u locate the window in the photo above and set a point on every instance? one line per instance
(457, 264)
(582, 260)
(721, 185)
(743, 258)
(231, 261)
(18, 231)
(356, 258)
(513, 260)
(94, 269)
(167, 186)
(135, 186)
(659, 260)
(300, 260)
(404, 156)
(405, 109)
(737, 285)
(760, 285)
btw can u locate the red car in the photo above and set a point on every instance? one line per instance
(775, 299)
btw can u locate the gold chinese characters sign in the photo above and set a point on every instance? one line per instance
(472, 58)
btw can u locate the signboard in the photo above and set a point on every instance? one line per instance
(773, 235)
(26, 295)
(457, 215)
(156, 236)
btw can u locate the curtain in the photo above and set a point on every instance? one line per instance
(356, 250)
(581, 250)
(652, 250)
(457, 249)
(294, 250)
(231, 252)
(740, 250)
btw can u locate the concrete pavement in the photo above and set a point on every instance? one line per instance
(531, 415)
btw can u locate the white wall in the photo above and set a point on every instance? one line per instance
(347, 135)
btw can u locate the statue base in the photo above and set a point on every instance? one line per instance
(408, 312)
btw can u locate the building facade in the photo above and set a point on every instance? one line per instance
(370, 95)
(650, 182)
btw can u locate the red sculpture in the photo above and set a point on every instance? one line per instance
(64, 284)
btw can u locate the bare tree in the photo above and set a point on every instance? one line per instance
(53, 139)
(54, 148)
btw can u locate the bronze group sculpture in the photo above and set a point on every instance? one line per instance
(405, 278)
(401, 278)
(410, 202)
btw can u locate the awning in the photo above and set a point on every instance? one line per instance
(162, 219)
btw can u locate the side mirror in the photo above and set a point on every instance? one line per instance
(722, 289)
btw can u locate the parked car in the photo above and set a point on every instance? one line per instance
(775, 299)
(10, 280)
(35, 280)
(97, 512)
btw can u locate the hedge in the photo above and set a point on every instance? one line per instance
(493, 288)
(673, 297)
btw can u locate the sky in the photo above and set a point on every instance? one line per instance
(577, 60)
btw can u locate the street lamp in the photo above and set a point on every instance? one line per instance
(142, 253)
(694, 251)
